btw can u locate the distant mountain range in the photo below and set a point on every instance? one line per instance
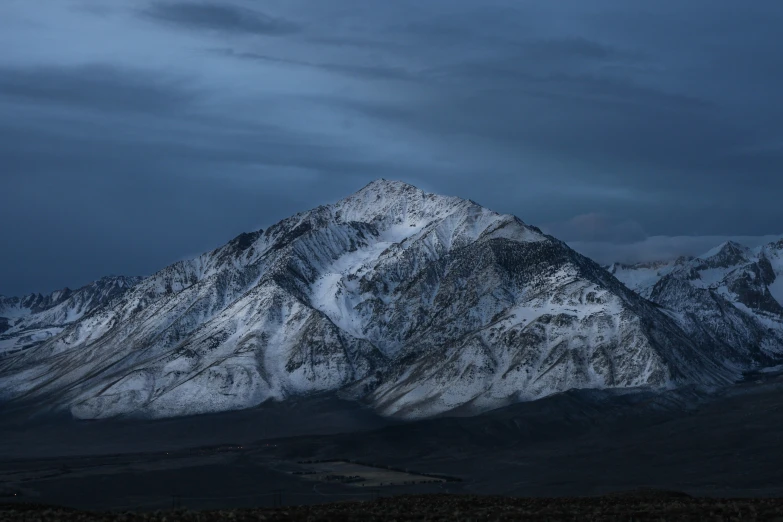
(32, 319)
(731, 295)
(415, 303)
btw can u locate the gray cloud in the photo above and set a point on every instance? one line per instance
(661, 248)
(81, 197)
(593, 117)
(220, 17)
(96, 86)
(631, 132)
(368, 72)
(596, 227)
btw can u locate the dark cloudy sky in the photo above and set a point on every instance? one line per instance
(134, 133)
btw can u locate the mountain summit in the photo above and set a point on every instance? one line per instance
(415, 303)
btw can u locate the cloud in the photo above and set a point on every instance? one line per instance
(219, 17)
(659, 248)
(595, 227)
(368, 72)
(586, 117)
(662, 120)
(97, 86)
(36, 139)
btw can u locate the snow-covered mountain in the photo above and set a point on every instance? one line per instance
(34, 318)
(731, 295)
(641, 277)
(413, 302)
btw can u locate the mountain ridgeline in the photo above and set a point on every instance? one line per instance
(414, 303)
(34, 318)
(731, 297)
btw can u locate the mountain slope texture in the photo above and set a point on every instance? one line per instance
(34, 318)
(731, 296)
(416, 303)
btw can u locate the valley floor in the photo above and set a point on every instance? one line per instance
(575, 444)
(452, 507)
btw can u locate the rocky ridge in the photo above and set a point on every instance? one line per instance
(416, 303)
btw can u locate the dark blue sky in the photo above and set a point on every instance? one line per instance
(134, 133)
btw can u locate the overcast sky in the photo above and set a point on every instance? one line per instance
(134, 133)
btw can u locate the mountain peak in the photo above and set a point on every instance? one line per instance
(775, 245)
(727, 254)
(383, 183)
(734, 246)
(388, 188)
(417, 303)
(395, 202)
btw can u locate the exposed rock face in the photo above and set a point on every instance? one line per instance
(730, 297)
(32, 319)
(414, 302)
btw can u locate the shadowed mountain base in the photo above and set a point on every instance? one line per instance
(574, 444)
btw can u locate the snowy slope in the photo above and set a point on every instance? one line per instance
(773, 252)
(34, 318)
(16, 307)
(642, 277)
(414, 302)
(731, 295)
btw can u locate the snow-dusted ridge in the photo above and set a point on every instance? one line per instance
(413, 302)
(731, 296)
(30, 320)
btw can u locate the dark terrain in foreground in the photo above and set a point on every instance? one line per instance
(454, 507)
(711, 445)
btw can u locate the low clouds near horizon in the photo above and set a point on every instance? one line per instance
(607, 240)
(661, 248)
(135, 132)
